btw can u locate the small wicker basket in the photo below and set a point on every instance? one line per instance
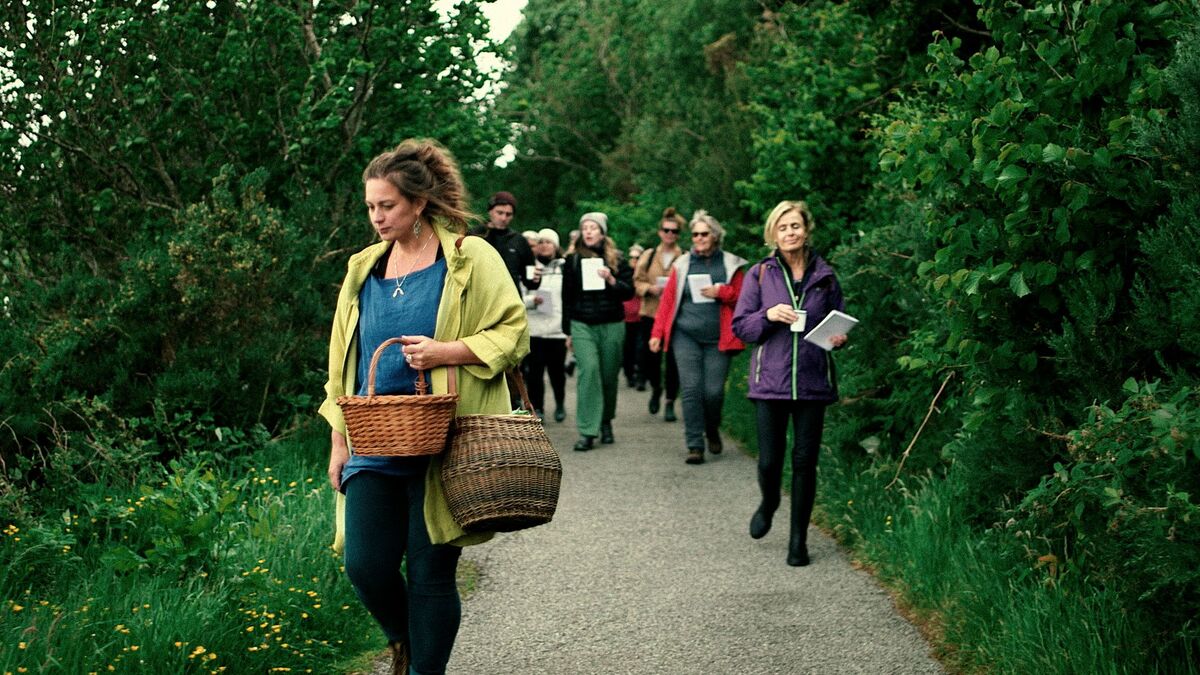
(406, 425)
(501, 472)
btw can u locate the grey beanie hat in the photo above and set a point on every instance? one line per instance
(597, 218)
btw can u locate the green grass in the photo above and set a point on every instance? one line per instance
(109, 587)
(983, 609)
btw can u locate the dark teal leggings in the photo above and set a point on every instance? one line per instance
(385, 519)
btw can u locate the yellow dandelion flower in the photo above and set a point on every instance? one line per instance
(134, 648)
(21, 645)
(17, 608)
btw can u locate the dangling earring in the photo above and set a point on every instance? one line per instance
(417, 226)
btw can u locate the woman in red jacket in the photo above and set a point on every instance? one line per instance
(695, 320)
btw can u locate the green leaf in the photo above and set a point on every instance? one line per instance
(1130, 386)
(1017, 283)
(1011, 174)
(1053, 153)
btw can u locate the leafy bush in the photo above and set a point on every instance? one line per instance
(1121, 512)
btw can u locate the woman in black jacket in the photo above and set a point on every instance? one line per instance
(596, 281)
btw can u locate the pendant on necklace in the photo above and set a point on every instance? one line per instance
(398, 291)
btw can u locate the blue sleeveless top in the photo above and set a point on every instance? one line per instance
(381, 317)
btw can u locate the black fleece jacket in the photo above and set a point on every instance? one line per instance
(594, 307)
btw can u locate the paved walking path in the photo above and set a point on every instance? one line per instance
(648, 568)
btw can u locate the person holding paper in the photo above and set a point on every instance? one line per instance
(596, 283)
(649, 279)
(694, 319)
(785, 295)
(547, 342)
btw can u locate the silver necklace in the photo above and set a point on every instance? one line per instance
(400, 282)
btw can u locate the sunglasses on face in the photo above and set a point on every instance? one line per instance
(669, 230)
(700, 234)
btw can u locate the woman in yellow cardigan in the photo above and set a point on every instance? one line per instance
(451, 301)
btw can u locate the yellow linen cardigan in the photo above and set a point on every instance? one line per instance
(479, 306)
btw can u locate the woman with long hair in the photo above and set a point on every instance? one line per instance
(451, 301)
(594, 322)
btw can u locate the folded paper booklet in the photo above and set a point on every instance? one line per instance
(697, 282)
(835, 323)
(589, 269)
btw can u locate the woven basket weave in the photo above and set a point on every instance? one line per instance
(501, 472)
(406, 425)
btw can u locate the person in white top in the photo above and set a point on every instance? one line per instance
(547, 342)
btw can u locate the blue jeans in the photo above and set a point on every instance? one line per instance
(385, 522)
(702, 372)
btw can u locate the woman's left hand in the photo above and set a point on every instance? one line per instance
(713, 291)
(607, 275)
(837, 341)
(422, 352)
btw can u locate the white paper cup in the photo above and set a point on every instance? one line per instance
(530, 271)
(798, 324)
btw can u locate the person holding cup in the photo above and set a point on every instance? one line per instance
(786, 295)
(694, 320)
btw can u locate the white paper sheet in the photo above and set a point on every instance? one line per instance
(835, 323)
(546, 306)
(589, 269)
(661, 282)
(695, 283)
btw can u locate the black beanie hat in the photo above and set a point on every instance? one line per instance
(502, 198)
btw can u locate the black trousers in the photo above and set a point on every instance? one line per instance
(651, 364)
(808, 421)
(629, 351)
(549, 356)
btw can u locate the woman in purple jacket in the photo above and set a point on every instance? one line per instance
(784, 296)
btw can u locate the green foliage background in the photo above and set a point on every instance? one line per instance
(1008, 190)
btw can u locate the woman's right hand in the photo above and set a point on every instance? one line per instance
(783, 313)
(339, 454)
(655, 344)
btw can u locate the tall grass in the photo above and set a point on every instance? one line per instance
(986, 609)
(219, 567)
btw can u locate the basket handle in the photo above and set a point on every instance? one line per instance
(422, 384)
(519, 382)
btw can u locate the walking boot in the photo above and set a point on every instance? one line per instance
(585, 443)
(714, 444)
(797, 553)
(695, 456)
(669, 413)
(606, 434)
(559, 413)
(400, 658)
(760, 522)
(654, 402)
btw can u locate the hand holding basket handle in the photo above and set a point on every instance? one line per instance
(399, 425)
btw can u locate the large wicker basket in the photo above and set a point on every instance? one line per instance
(405, 425)
(501, 472)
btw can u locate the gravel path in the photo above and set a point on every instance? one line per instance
(648, 568)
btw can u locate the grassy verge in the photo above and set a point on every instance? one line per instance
(983, 610)
(219, 567)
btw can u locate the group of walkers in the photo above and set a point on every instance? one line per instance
(448, 297)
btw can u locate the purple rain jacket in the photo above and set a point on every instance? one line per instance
(782, 364)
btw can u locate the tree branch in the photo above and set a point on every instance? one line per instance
(928, 414)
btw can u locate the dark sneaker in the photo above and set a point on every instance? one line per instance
(714, 445)
(559, 414)
(654, 403)
(669, 414)
(585, 443)
(606, 434)
(695, 456)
